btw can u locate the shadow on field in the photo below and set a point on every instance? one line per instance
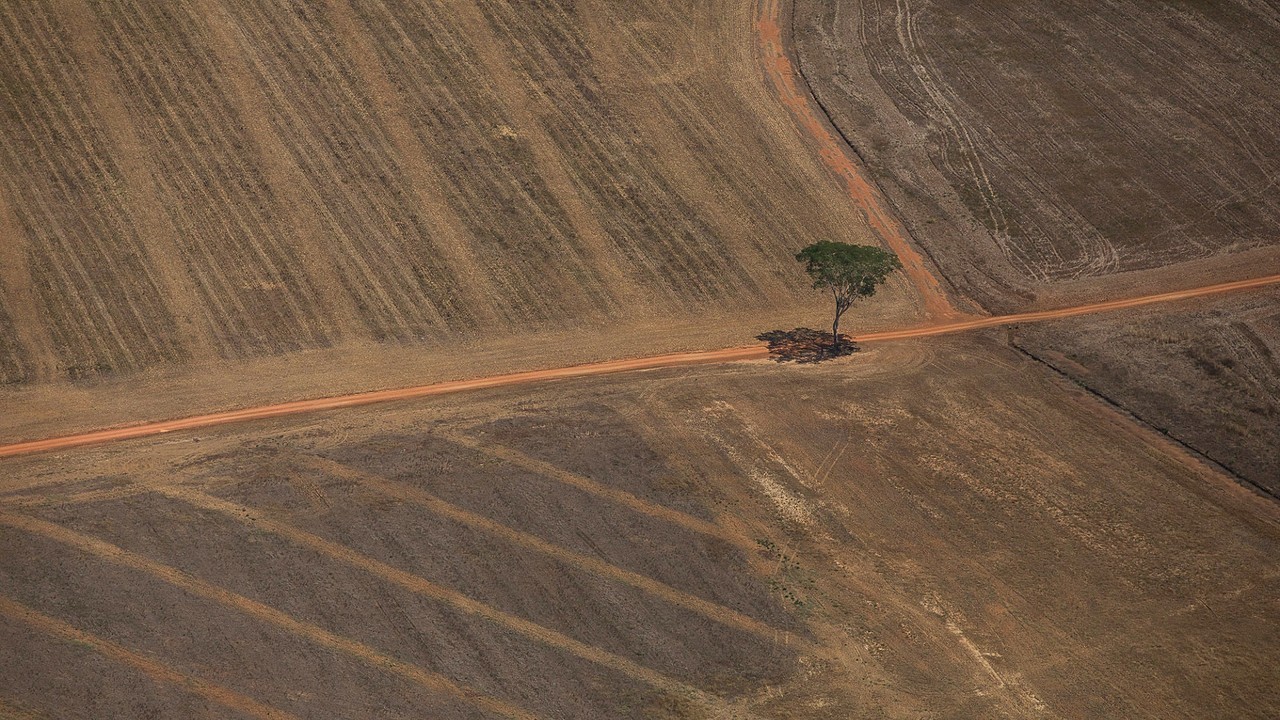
(805, 345)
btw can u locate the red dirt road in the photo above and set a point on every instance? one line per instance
(752, 352)
(863, 194)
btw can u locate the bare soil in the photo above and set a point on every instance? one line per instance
(1206, 374)
(219, 182)
(1039, 142)
(750, 540)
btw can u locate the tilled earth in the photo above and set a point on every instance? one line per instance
(750, 540)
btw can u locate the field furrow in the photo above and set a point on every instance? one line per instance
(612, 164)
(349, 159)
(210, 184)
(539, 263)
(225, 214)
(639, 56)
(106, 312)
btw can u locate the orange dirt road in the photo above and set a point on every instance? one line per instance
(752, 352)
(863, 194)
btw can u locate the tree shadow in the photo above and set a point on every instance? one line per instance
(805, 345)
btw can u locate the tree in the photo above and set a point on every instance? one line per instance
(848, 271)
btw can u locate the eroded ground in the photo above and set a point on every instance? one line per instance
(743, 540)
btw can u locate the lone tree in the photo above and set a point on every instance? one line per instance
(849, 271)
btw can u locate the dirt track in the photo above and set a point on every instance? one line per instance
(602, 368)
(835, 155)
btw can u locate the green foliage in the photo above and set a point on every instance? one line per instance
(855, 270)
(848, 271)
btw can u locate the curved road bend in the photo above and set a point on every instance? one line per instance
(601, 368)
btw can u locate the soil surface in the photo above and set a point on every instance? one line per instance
(1043, 141)
(210, 206)
(749, 540)
(219, 182)
(1208, 374)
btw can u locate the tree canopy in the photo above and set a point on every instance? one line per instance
(848, 271)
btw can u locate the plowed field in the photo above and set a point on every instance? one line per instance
(1036, 142)
(748, 541)
(195, 182)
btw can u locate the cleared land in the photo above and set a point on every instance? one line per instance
(677, 544)
(255, 179)
(1038, 142)
(608, 367)
(1053, 153)
(236, 203)
(1207, 374)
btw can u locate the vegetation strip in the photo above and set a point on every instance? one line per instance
(156, 670)
(207, 590)
(753, 352)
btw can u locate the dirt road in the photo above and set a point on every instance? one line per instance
(752, 352)
(835, 155)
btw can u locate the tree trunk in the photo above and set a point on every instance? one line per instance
(835, 334)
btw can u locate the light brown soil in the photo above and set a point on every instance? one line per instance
(218, 182)
(1205, 373)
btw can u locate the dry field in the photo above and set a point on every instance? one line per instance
(1208, 374)
(208, 205)
(1036, 142)
(1047, 154)
(189, 183)
(734, 541)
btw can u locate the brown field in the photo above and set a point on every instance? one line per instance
(1031, 143)
(258, 178)
(735, 541)
(210, 206)
(1208, 374)
(1047, 154)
